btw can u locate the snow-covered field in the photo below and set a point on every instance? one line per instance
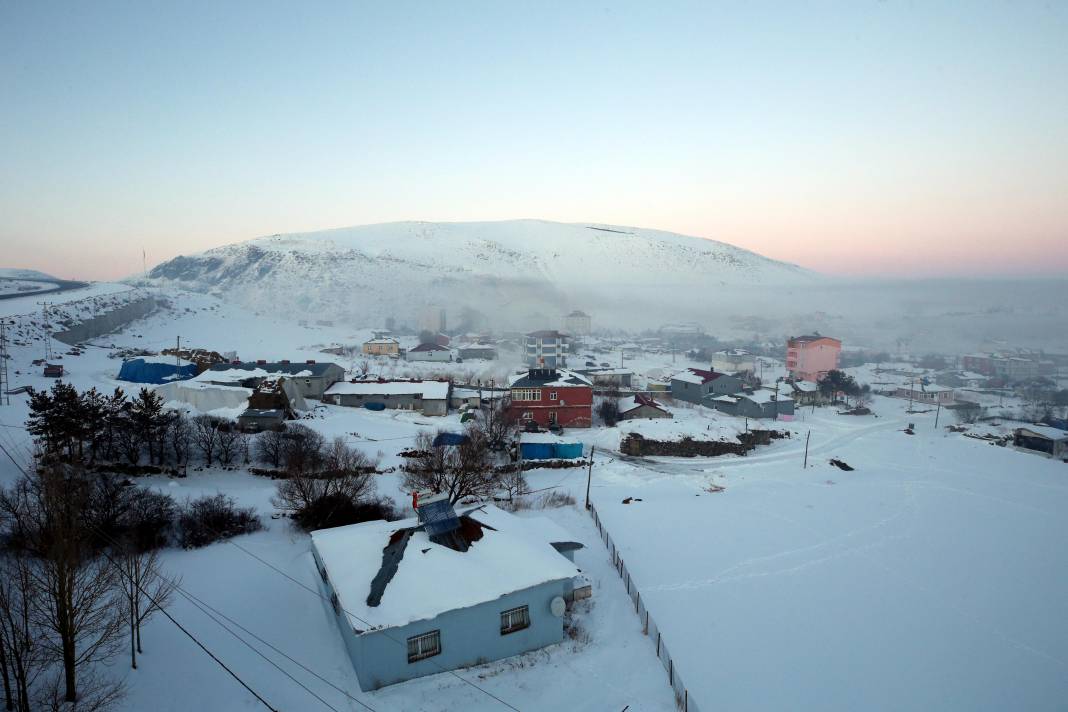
(933, 576)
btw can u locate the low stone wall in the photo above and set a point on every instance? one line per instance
(635, 444)
(107, 323)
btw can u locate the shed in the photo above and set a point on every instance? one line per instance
(1042, 439)
(546, 446)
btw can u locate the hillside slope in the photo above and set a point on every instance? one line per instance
(519, 273)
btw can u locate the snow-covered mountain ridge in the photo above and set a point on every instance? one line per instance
(525, 271)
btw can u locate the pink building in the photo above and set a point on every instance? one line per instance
(809, 358)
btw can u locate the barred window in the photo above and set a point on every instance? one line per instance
(424, 646)
(515, 619)
(526, 394)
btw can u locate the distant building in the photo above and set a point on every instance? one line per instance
(811, 357)
(310, 378)
(1009, 368)
(53, 370)
(1042, 439)
(433, 319)
(758, 404)
(546, 349)
(445, 590)
(929, 394)
(426, 397)
(548, 396)
(733, 361)
(487, 352)
(578, 323)
(805, 392)
(695, 385)
(428, 352)
(642, 406)
(608, 377)
(381, 346)
(256, 420)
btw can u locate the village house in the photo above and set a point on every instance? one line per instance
(811, 357)
(1042, 439)
(608, 377)
(443, 590)
(695, 384)
(426, 397)
(487, 352)
(733, 361)
(642, 406)
(310, 378)
(546, 349)
(549, 396)
(758, 404)
(925, 393)
(381, 346)
(429, 352)
(805, 393)
(256, 420)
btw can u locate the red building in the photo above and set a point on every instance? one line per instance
(549, 396)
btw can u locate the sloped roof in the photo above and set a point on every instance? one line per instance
(696, 376)
(513, 554)
(628, 404)
(429, 390)
(427, 347)
(1046, 431)
(318, 368)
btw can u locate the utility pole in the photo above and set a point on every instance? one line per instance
(809, 435)
(5, 384)
(589, 476)
(177, 357)
(938, 413)
(912, 389)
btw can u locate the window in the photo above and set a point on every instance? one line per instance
(527, 415)
(515, 619)
(526, 394)
(424, 646)
(552, 417)
(553, 395)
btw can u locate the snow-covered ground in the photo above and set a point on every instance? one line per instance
(932, 576)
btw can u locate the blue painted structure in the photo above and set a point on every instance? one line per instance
(550, 450)
(137, 370)
(374, 406)
(469, 636)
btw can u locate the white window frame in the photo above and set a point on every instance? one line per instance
(515, 619)
(553, 417)
(526, 394)
(424, 645)
(528, 415)
(554, 395)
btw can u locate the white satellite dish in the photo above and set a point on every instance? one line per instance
(557, 607)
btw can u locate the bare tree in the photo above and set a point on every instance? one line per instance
(74, 586)
(21, 654)
(463, 470)
(303, 450)
(346, 478)
(229, 441)
(270, 445)
(180, 434)
(144, 591)
(205, 431)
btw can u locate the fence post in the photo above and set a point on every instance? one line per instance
(637, 601)
(646, 631)
(685, 700)
(671, 672)
(658, 644)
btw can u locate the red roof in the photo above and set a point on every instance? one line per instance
(706, 376)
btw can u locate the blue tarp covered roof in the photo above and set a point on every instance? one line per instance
(137, 370)
(449, 439)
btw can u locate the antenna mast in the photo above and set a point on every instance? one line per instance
(5, 383)
(49, 355)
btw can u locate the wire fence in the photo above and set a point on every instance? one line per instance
(682, 695)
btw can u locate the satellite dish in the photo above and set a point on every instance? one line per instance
(557, 607)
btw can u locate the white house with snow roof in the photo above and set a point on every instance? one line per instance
(444, 591)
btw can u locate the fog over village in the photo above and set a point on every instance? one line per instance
(478, 357)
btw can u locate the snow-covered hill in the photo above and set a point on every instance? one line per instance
(518, 273)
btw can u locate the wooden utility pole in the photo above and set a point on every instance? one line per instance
(589, 476)
(938, 413)
(809, 435)
(177, 358)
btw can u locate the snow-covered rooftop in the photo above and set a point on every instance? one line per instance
(1046, 431)
(431, 579)
(559, 377)
(429, 390)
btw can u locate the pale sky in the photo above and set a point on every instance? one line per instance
(872, 138)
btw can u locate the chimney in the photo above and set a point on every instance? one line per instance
(285, 360)
(261, 362)
(311, 360)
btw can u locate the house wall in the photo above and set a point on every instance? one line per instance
(437, 356)
(723, 386)
(381, 349)
(577, 413)
(486, 353)
(644, 411)
(394, 401)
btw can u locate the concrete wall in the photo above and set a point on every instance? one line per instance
(427, 406)
(107, 323)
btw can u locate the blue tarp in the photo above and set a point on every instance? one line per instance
(137, 370)
(374, 406)
(449, 439)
